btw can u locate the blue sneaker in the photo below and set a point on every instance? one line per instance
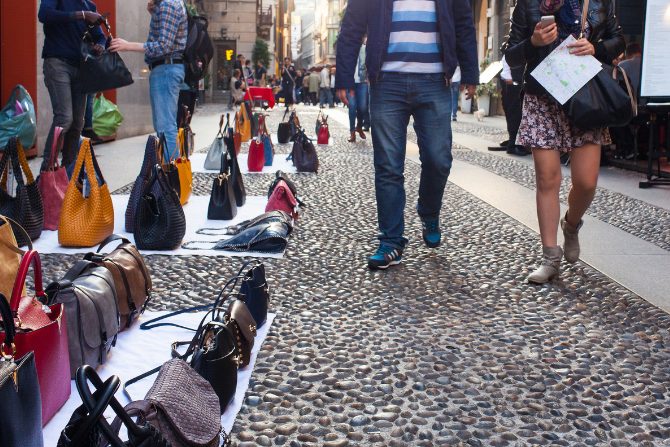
(432, 235)
(385, 257)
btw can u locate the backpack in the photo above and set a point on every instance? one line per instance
(199, 50)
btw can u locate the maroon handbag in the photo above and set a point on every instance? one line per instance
(256, 159)
(41, 329)
(52, 184)
(324, 134)
(282, 199)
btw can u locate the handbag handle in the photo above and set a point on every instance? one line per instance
(16, 155)
(629, 88)
(86, 158)
(161, 150)
(56, 146)
(7, 349)
(14, 225)
(221, 130)
(181, 142)
(110, 239)
(30, 258)
(585, 12)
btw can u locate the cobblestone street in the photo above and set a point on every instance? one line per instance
(450, 348)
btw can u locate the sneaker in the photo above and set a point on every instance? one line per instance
(385, 257)
(432, 235)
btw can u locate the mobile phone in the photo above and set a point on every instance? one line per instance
(547, 20)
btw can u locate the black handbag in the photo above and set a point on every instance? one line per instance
(25, 207)
(235, 174)
(254, 291)
(106, 71)
(150, 160)
(271, 216)
(222, 205)
(270, 238)
(603, 101)
(168, 165)
(284, 130)
(20, 402)
(305, 158)
(160, 223)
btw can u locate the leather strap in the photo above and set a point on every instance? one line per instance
(629, 88)
(16, 226)
(110, 239)
(8, 324)
(30, 258)
(56, 145)
(585, 13)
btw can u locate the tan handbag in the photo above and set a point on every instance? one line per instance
(184, 168)
(10, 257)
(87, 217)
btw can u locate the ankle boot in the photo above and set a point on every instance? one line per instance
(550, 267)
(361, 133)
(352, 139)
(571, 237)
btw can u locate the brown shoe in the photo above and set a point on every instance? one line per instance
(361, 133)
(352, 139)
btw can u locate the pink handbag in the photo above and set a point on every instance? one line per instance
(282, 199)
(53, 183)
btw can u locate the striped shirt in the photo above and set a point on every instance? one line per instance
(414, 44)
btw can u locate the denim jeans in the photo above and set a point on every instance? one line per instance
(68, 105)
(164, 85)
(455, 92)
(358, 106)
(325, 97)
(394, 98)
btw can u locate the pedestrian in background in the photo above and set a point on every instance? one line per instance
(65, 22)
(547, 130)
(512, 94)
(164, 53)
(324, 87)
(306, 98)
(288, 75)
(358, 101)
(413, 49)
(237, 87)
(314, 83)
(333, 94)
(261, 75)
(248, 73)
(455, 93)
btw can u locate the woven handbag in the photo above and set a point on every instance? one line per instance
(53, 183)
(25, 207)
(184, 168)
(150, 160)
(86, 220)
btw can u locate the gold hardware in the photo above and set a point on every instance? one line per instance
(222, 178)
(252, 327)
(4, 354)
(15, 378)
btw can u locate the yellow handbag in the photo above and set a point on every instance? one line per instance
(10, 257)
(184, 168)
(87, 217)
(245, 124)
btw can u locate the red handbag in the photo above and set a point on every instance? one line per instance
(52, 184)
(324, 134)
(256, 159)
(282, 199)
(41, 329)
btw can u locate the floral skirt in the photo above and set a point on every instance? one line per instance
(544, 125)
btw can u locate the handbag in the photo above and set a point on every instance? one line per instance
(17, 118)
(160, 223)
(243, 326)
(270, 238)
(294, 123)
(213, 159)
(282, 199)
(269, 217)
(10, 256)
(132, 280)
(284, 130)
(184, 168)
(53, 183)
(602, 102)
(106, 71)
(150, 160)
(235, 173)
(222, 205)
(20, 403)
(42, 330)
(254, 291)
(25, 207)
(324, 134)
(244, 124)
(88, 294)
(169, 166)
(256, 158)
(237, 141)
(86, 220)
(267, 141)
(304, 155)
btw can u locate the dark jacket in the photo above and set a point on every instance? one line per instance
(606, 36)
(374, 17)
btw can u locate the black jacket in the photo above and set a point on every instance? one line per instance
(606, 36)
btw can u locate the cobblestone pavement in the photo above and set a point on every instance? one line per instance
(450, 348)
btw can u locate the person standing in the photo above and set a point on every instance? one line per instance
(314, 83)
(261, 75)
(511, 98)
(65, 22)
(333, 94)
(324, 87)
(548, 130)
(248, 73)
(306, 98)
(164, 53)
(288, 76)
(455, 93)
(413, 49)
(358, 102)
(238, 87)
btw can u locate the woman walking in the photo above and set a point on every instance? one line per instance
(544, 126)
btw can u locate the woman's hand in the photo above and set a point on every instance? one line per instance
(544, 35)
(582, 48)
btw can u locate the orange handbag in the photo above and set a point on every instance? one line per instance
(245, 124)
(184, 168)
(87, 217)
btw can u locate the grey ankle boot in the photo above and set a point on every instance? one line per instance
(550, 267)
(571, 236)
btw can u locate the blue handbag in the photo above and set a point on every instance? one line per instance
(150, 160)
(269, 150)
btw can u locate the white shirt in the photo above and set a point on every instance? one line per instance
(457, 75)
(325, 78)
(506, 74)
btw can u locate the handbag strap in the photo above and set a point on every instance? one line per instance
(629, 88)
(30, 258)
(161, 150)
(14, 226)
(7, 349)
(56, 146)
(110, 239)
(86, 158)
(585, 13)
(15, 154)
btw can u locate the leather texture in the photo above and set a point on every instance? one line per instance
(44, 333)
(150, 160)
(184, 168)
(222, 205)
(272, 216)
(255, 293)
(132, 280)
(606, 35)
(305, 158)
(86, 221)
(282, 199)
(235, 173)
(105, 71)
(256, 159)
(281, 176)
(213, 159)
(284, 133)
(53, 183)
(88, 293)
(10, 258)
(25, 206)
(269, 238)
(320, 119)
(160, 223)
(243, 122)
(243, 326)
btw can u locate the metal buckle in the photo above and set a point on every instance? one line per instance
(4, 354)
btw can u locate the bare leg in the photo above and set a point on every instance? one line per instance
(585, 167)
(548, 180)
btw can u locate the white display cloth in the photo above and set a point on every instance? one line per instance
(139, 351)
(196, 218)
(279, 163)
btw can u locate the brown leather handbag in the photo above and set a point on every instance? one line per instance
(132, 279)
(243, 325)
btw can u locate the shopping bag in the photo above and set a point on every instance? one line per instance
(106, 117)
(17, 119)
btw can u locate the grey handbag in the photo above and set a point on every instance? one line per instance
(87, 291)
(217, 149)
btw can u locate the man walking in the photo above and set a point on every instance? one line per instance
(413, 49)
(164, 53)
(511, 81)
(314, 82)
(324, 87)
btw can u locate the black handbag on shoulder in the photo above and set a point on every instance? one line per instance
(222, 205)
(160, 223)
(106, 71)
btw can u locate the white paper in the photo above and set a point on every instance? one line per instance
(562, 74)
(490, 72)
(655, 82)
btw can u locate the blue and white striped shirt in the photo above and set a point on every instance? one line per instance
(414, 44)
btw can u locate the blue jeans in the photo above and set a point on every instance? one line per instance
(393, 99)
(455, 92)
(358, 106)
(164, 85)
(325, 96)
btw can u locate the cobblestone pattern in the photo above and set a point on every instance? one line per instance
(641, 219)
(451, 348)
